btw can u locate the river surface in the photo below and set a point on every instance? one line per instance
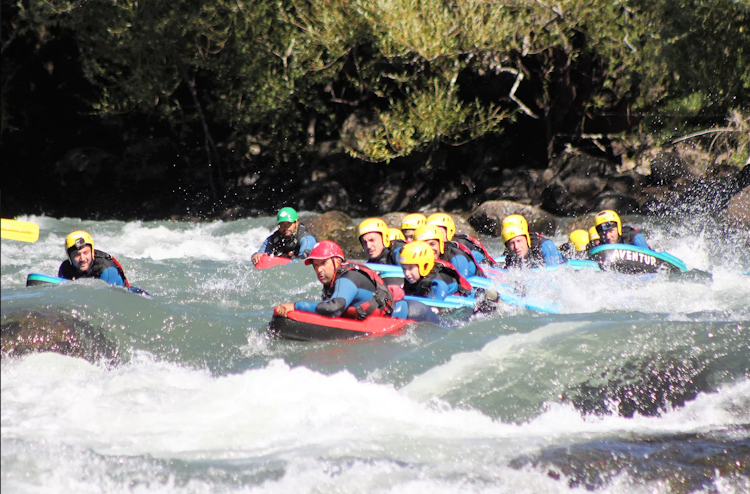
(637, 386)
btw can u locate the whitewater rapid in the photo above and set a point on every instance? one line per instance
(637, 386)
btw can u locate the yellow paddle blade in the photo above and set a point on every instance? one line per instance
(25, 231)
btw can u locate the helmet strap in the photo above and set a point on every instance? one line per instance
(335, 270)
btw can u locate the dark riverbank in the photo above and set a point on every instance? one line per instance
(147, 180)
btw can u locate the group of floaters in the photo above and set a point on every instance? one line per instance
(409, 270)
(434, 261)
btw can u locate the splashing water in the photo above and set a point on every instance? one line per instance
(637, 386)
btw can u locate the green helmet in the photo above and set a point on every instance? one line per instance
(286, 214)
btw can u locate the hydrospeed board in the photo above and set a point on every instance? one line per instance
(306, 326)
(505, 292)
(36, 279)
(267, 261)
(630, 259)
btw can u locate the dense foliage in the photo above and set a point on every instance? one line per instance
(383, 78)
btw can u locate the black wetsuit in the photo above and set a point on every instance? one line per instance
(541, 253)
(389, 254)
(104, 267)
(297, 246)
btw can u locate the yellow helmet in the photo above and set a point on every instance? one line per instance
(579, 238)
(419, 253)
(413, 221)
(76, 240)
(395, 234)
(513, 226)
(608, 216)
(444, 220)
(593, 234)
(430, 232)
(375, 225)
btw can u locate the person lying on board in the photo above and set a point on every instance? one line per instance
(428, 277)
(524, 249)
(410, 223)
(349, 284)
(291, 239)
(467, 243)
(396, 234)
(461, 260)
(86, 262)
(376, 242)
(609, 227)
(594, 238)
(577, 245)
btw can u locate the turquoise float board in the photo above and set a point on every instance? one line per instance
(451, 302)
(664, 256)
(386, 270)
(36, 279)
(43, 278)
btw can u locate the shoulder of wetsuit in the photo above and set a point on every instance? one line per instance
(628, 235)
(67, 270)
(441, 266)
(107, 261)
(303, 231)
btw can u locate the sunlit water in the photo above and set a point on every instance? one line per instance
(637, 386)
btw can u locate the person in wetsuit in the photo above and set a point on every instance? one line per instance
(427, 277)
(292, 239)
(594, 238)
(463, 261)
(467, 243)
(396, 234)
(577, 246)
(410, 223)
(524, 249)
(376, 242)
(348, 284)
(86, 262)
(611, 231)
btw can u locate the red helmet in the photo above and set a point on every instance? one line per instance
(324, 250)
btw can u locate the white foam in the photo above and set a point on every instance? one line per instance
(307, 419)
(217, 240)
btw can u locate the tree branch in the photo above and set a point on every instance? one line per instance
(703, 132)
(512, 94)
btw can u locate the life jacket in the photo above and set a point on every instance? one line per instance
(628, 235)
(535, 257)
(472, 243)
(101, 262)
(456, 246)
(381, 302)
(422, 287)
(283, 246)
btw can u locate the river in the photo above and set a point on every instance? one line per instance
(637, 386)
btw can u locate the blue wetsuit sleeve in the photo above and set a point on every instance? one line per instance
(344, 291)
(552, 256)
(640, 241)
(112, 276)
(264, 249)
(463, 266)
(60, 273)
(305, 246)
(416, 311)
(440, 289)
(400, 310)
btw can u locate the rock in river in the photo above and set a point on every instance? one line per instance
(49, 330)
